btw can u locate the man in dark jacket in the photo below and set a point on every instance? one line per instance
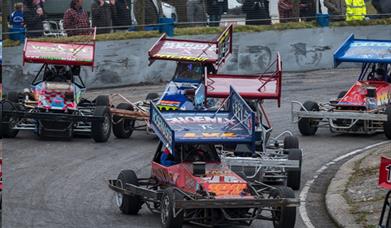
(152, 11)
(102, 14)
(76, 19)
(215, 8)
(257, 12)
(34, 15)
(122, 18)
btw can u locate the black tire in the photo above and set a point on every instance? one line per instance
(13, 96)
(128, 204)
(152, 96)
(387, 124)
(6, 126)
(100, 130)
(294, 176)
(167, 209)
(309, 126)
(284, 217)
(341, 94)
(122, 127)
(102, 100)
(291, 142)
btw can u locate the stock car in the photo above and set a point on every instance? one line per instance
(365, 108)
(273, 160)
(185, 90)
(189, 183)
(54, 106)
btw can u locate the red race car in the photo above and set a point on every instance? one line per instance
(365, 108)
(189, 183)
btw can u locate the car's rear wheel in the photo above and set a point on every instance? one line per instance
(8, 123)
(294, 175)
(100, 130)
(387, 124)
(128, 204)
(102, 100)
(152, 96)
(309, 126)
(291, 142)
(167, 216)
(123, 127)
(283, 217)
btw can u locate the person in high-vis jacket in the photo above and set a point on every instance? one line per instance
(356, 10)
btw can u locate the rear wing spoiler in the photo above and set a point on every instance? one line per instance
(61, 53)
(258, 86)
(236, 126)
(363, 51)
(214, 52)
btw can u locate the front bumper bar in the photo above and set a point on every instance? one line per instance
(333, 115)
(205, 203)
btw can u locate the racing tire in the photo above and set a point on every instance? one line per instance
(6, 127)
(341, 94)
(100, 130)
(291, 142)
(294, 176)
(283, 217)
(102, 100)
(123, 127)
(167, 216)
(307, 126)
(128, 204)
(387, 124)
(152, 96)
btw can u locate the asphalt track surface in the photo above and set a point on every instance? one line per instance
(63, 183)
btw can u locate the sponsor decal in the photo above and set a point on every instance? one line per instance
(200, 120)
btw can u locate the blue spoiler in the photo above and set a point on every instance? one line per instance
(363, 51)
(237, 125)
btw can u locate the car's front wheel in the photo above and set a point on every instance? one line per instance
(294, 175)
(283, 217)
(128, 204)
(8, 123)
(123, 127)
(101, 130)
(169, 219)
(309, 126)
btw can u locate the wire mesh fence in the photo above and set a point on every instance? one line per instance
(53, 18)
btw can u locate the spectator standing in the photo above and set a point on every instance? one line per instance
(16, 23)
(285, 10)
(356, 10)
(215, 8)
(102, 13)
(196, 11)
(152, 11)
(76, 20)
(16, 18)
(307, 10)
(336, 8)
(257, 12)
(122, 17)
(34, 15)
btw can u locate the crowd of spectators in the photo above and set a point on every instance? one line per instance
(114, 15)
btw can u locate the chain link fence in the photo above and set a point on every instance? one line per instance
(54, 18)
